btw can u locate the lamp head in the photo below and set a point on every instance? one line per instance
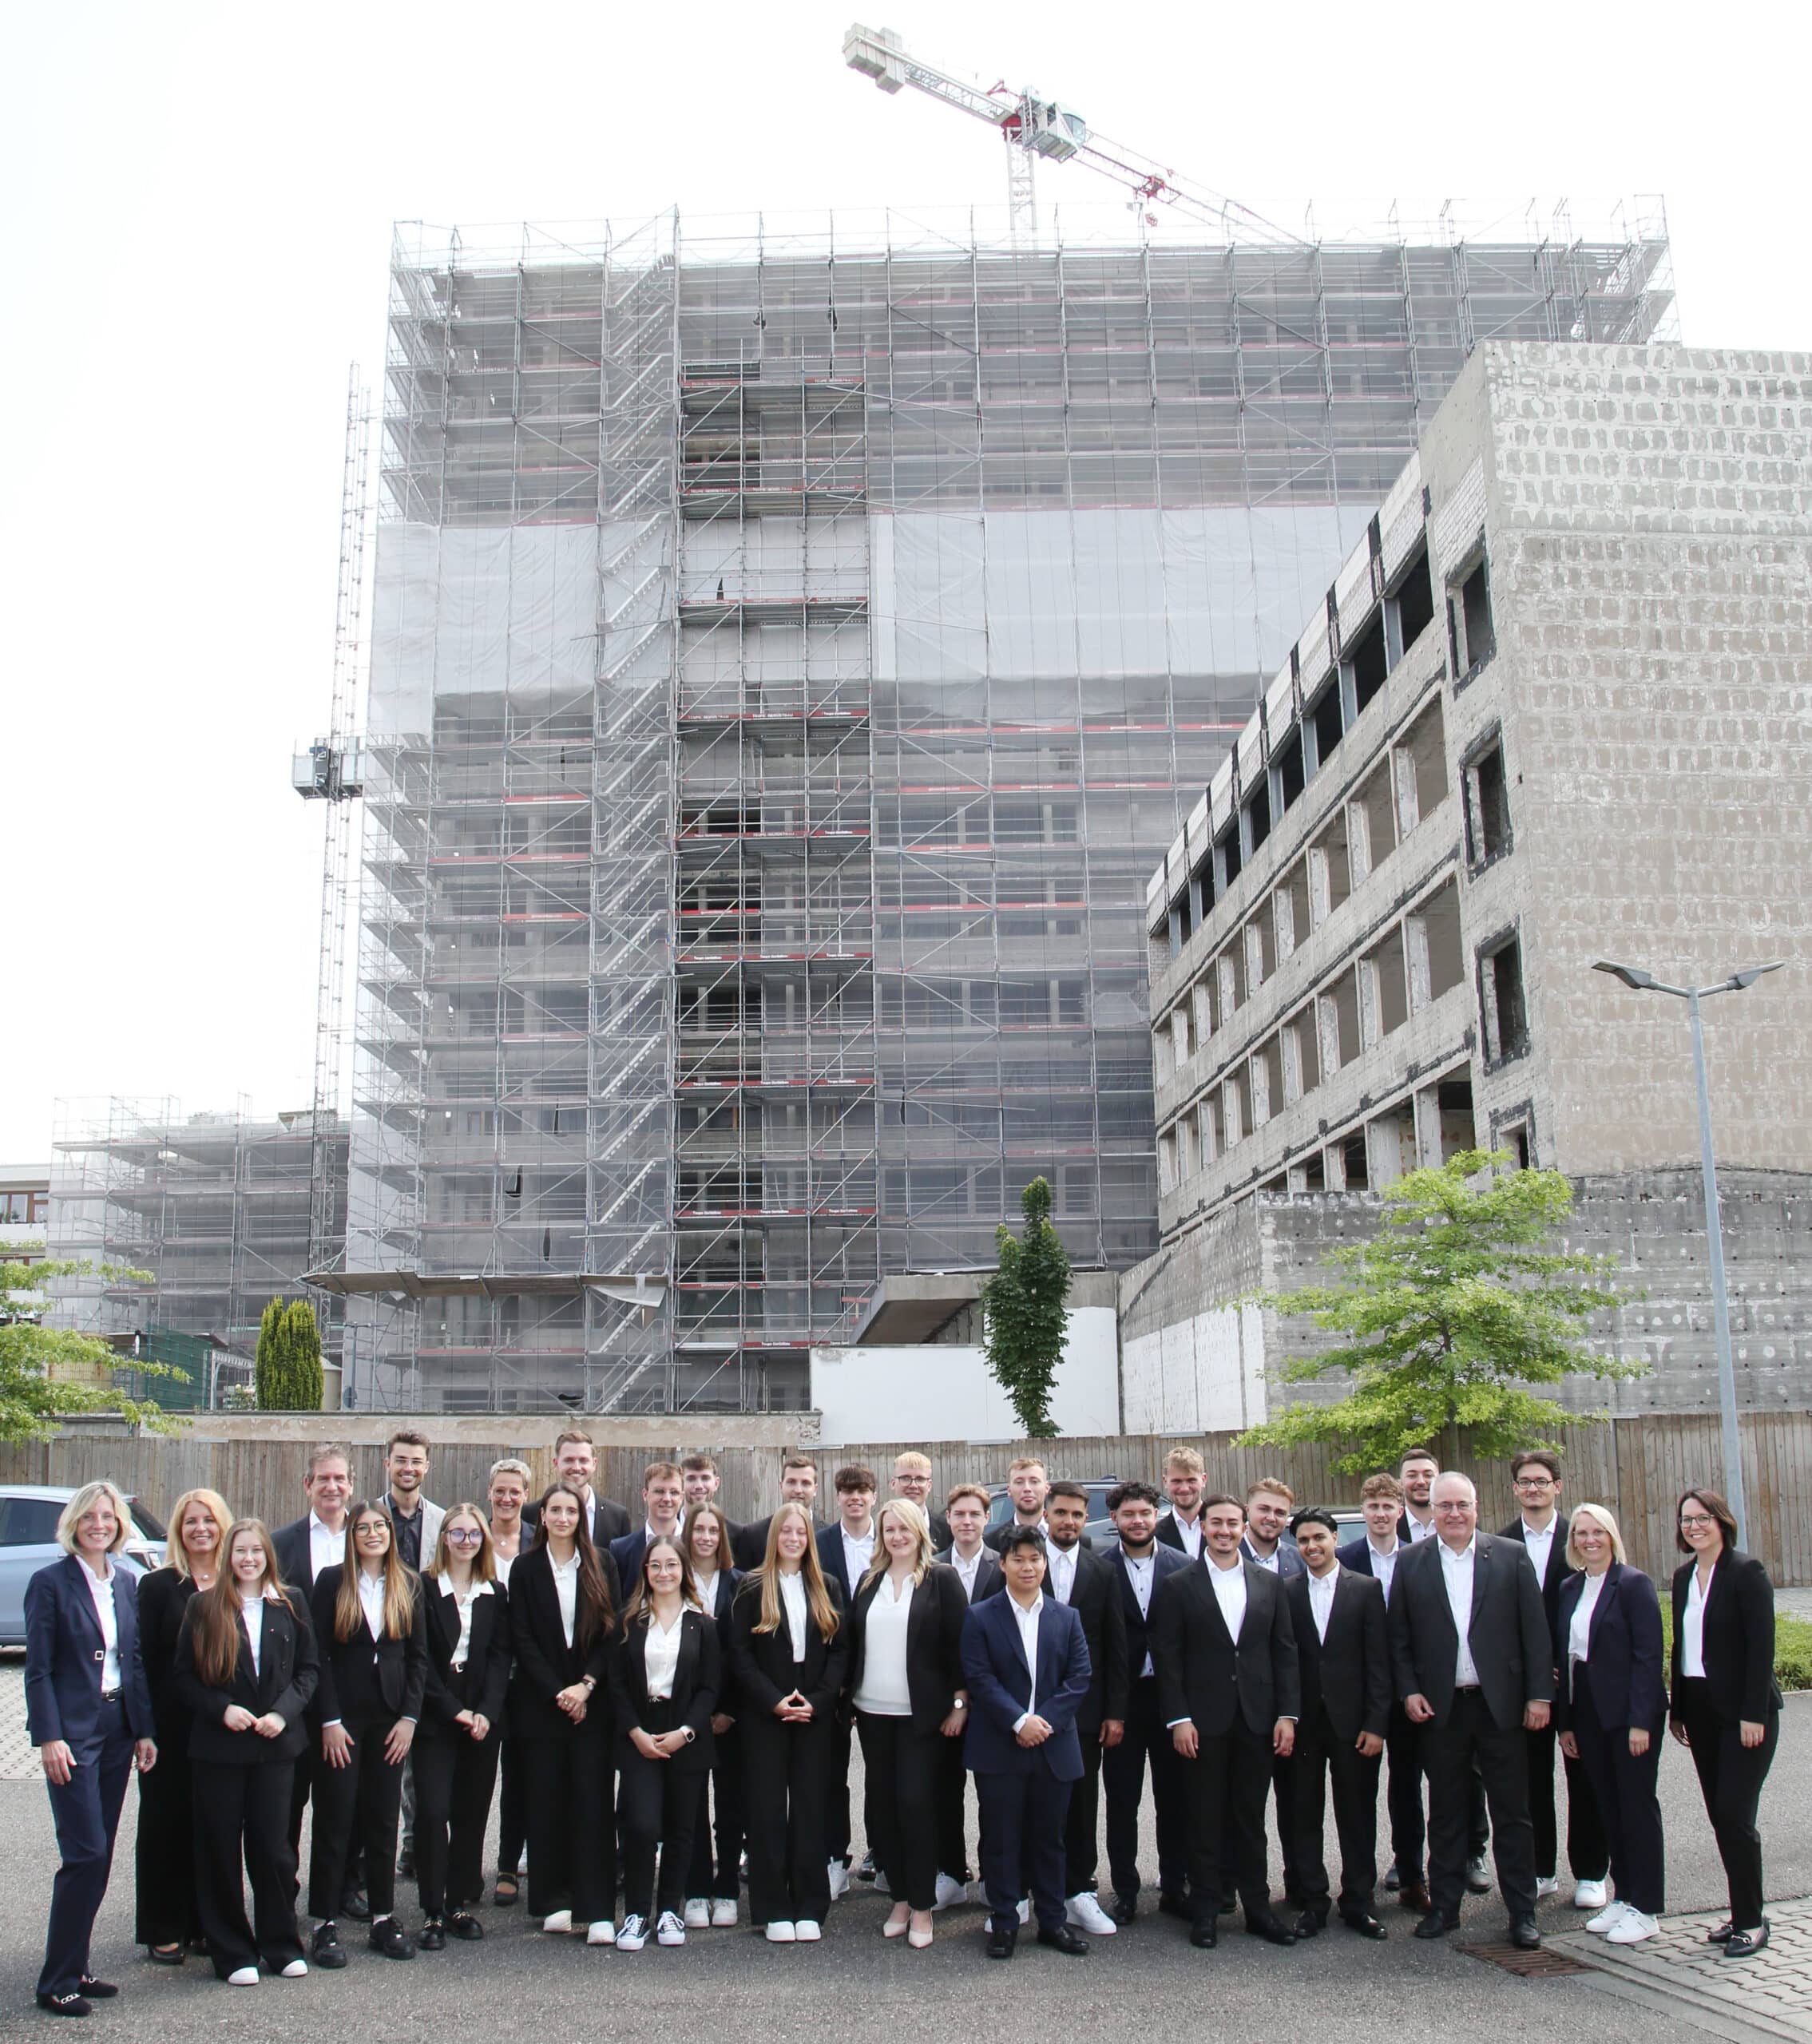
(1750, 974)
(1632, 976)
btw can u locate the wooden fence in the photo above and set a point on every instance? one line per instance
(1637, 1466)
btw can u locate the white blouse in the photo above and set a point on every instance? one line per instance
(251, 1610)
(660, 1656)
(566, 1589)
(463, 1601)
(1692, 1629)
(792, 1602)
(884, 1690)
(706, 1589)
(1579, 1633)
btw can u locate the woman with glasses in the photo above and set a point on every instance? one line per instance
(507, 1493)
(1726, 1704)
(456, 1753)
(712, 1888)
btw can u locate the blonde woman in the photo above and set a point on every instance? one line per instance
(88, 1711)
(789, 1648)
(164, 1858)
(372, 1633)
(907, 1685)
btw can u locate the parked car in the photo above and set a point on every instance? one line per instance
(1099, 1531)
(29, 1513)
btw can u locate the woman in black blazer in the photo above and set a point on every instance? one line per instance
(372, 1631)
(664, 1680)
(563, 1604)
(789, 1648)
(246, 1668)
(907, 1685)
(1609, 1709)
(1726, 1706)
(715, 1879)
(164, 1855)
(458, 1740)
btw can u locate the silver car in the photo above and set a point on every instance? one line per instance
(29, 1513)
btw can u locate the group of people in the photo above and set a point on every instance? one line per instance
(660, 1698)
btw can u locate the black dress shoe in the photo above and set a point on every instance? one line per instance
(174, 1956)
(1066, 1938)
(865, 1871)
(1414, 1896)
(1123, 1909)
(1171, 1903)
(1433, 1925)
(98, 1991)
(1524, 1934)
(462, 1923)
(1746, 1944)
(1267, 1924)
(1366, 1925)
(1000, 1942)
(1393, 1880)
(1310, 1922)
(389, 1937)
(354, 1906)
(1206, 1935)
(327, 1950)
(65, 2005)
(1721, 1935)
(433, 1937)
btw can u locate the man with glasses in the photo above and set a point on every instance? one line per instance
(1474, 1664)
(1542, 1527)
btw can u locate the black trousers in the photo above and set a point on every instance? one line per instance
(1473, 1742)
(302, 1785)
(953, 1818)
(1403, 1800)
(1082, 1827)
(356, 1806)
(718, 1875)
(566, 1794)
(1223, 1791)
(455, 1777)
(903, 1769)
(512, 1821)
(1123, 1775)
(163, 1857)
(1731, 1776)
(657, 1807)
(242, 1818)
(1323, 1755)
(1629, 1810)
(837, 1821)
(86, 1812)
(785, 1772)
(1023, 1817)
(1588, 1851)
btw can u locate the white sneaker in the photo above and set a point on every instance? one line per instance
(839, 1880)
(602, 1932)
(1087, 1914)
(522, 1863)
(1591, 1894)
(950, 1892)
(242, 1976)
(559, 1922)
(1632, 1928)
(1025, 1910)
(297, 1970)
(806, 1932)
(1607, 1918)
(1546, 1885)
(698, 1913)
(782, 1934)
(724, 1913)
(669, 1931)
(633, 1934)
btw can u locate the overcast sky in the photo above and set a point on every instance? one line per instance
(199, 203)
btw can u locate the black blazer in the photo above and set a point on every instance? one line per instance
(482, 1684)
(1168, 1536)
(66, 1656)
(364, 1680)
(1738, 1639)
(1094, 1597)
(288, 1673)
(1622, 1668)
(830, 1559)
(987, 1571)
(1511, 1646)
(1165, 1561)
(934, 1643)
(545, 1664)
(610, 1521)
(696, 1680)
(1349, 1671)
(763, 1661)
(1202, 1675)
(748, 1544)
(1558, 1571)
(164, 1596)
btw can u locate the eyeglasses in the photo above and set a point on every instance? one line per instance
(464, 1536)
(1535, 1482)
(1455, 1504)
(1694, 1518)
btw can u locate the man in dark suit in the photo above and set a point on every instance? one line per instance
(978, 1569)
(1226, 1657)
(1269, 1504)
(1180, 1527)
(1026, 1662)
(1543, 1527)
(798, 1485)
(1343, 1655)
(912, 1478)
(1027, 1481)
(965, 1513)
(1417, 1469)
(663, 1493)
(1140, 1565)
(575, 1463)
(1475, 1689)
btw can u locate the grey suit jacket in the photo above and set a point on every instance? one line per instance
(1511, 1646)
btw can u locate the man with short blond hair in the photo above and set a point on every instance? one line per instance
(1027, 1483)
(798, 1485)
(912, 1478)
(575, 1464)
(1180, 1526)
(664, 1494)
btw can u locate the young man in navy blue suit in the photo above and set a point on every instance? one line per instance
(1027, 1665)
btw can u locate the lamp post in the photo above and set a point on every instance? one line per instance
(1641, 982)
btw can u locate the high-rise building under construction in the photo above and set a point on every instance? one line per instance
(791, 654)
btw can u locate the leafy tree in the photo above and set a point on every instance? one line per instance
(308, 1384)
(270, 1370)
(1022, 1310)
(47, 1372)
(286, 1373)
(1452, 1309)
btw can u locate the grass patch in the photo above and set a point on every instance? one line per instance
(1792, 1647)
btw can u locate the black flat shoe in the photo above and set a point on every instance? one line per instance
(433, 1937)
(1000, 1942)
(504, 1895)
(1365, 1926)
(1525, 1935)
(1123, 1912)
(1309, 1922)
(389, 1937)
(1205, 1935)
(1433, 1925)
(327, 1950)
(1746, 1944)
(1393, 1880)
(65, 2005)
(165, 1955)
(1268, 1925)
(1070, 1942)
(462, 1923)
(98, 1991)
(1721, 1935)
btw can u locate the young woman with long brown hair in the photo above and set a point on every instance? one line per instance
(246, 1668)
(714, 1883)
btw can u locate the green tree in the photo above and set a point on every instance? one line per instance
(307, 1384)
(1022, 1312)
(48, 1373)
(1456, 1306)
(270, 1369)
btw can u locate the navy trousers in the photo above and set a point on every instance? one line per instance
(1023, 1817)
(86, 1811)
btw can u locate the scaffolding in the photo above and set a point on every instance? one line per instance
(792, 652)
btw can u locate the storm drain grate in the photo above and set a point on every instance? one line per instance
(1542, 1964)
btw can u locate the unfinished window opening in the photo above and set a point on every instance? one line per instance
(1378, 799)
(1488, 804)
(1315, 1175)
(1415, 602)
(1453, 1100)
(1471, 635)
(1426, 744)
(1368, 664)
(1242, 1094)
(1324, 712)
(1358, 1170)
(1386, 959)
(1296, 893)
(1308, 1049)
(1446, 956)
(1227, 860)
(1258, 816)
(1502, 1006)
(1332, 846)
(1344, 995)
(1268, 1078)
(1291, 777)
(1262, 934)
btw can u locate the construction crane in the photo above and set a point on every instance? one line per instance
(1032, 126)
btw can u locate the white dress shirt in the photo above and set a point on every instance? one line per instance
(371, 1600)
(1271, 1562)
(1692, 1629)
(251, 1610)
(707, 1584)
(1230, 1593)
(858, 1551)
(1141, 1572)
(1189, 1532)
(967, 1570)
(566, 1590)
(1321, 1599)
(1579, 1632)
(505, 1563)
(325, 1547)
(1420, 1529)
(463, 1601)
(1384, 1564)
(660, 1656)
(1062, 1566)
(1027, 1621)
(1456, 1572)
(884, 1691)
(101, 1588)
(792, 1602)
(1540, 1546)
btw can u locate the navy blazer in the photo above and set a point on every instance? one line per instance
(1001, 1688)
(65, 1654)
(1166, 1561)
(830, 1559)
(1290, 1561)
(1622, 1665)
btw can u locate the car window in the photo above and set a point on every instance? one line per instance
(29, 1522)
(147, 1521)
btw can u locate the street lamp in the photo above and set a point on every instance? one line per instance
(1641, 982)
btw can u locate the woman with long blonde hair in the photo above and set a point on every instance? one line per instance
(788, 1651)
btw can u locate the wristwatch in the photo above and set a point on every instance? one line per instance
(690, 1734)
(589, 1681)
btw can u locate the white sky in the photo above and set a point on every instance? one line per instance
(198, 203)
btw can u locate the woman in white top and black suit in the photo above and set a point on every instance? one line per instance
(664, 1680)
(564, 1599)
(1726, 1704)
(458, 1739)
(907, 1686)
(714, 1882)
